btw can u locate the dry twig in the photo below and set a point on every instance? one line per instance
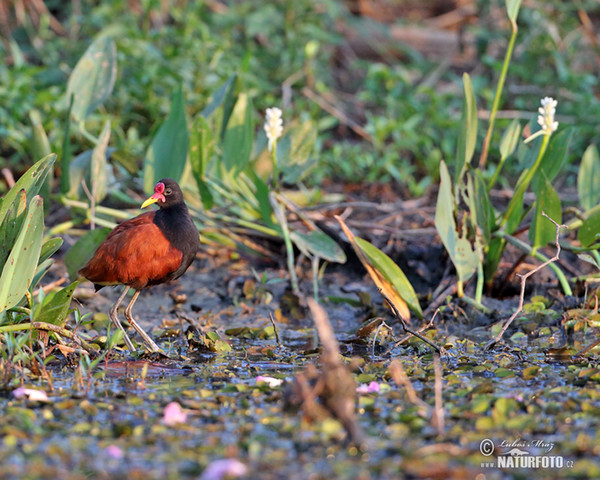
(524, 278)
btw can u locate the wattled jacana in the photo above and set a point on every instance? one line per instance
(152, 248)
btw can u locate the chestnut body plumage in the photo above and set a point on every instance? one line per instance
(147, 250)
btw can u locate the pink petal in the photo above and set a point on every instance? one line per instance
(219, 469)
(33, 395)
(270, 381)
(114, 451)
(372, 387)
(174, 414)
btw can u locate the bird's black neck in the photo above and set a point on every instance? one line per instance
(176, 225)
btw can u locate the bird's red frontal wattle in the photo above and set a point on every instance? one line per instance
(159, 188)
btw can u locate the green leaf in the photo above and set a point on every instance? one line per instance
(49, 248)
(55, 307)
(93, 78)
(393, 274)
(262, 197)
(41, 270)
(468, 128)
(317, 243)
(83, 250)
(222, 101)
(167, 154)
(11, 226)
(588, 178)
(512, 9)
(40, 148)
(589, 230)
(510, 139)
(202, 148)
(20, 267)
(458, 247)
(295, 162)
(554, 159)
(31, 181)
(98, 167)
(542, 231)
(239, 136)
(486, 216)
(80, 168)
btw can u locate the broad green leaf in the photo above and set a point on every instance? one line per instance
(510, 139)
(11, 226)
(99, 176)
(554, 159)
(93, 78)
(31, 181)
(393, 274)
(318, 244)
(262, 197)
(222, 101)
(392, 283)
(458, 247)
(542, 231)
(202, 147)
(514, 210)
(167, 154)
(468, 128)
(55, 307)
(512, 8)
(83, 250)
(588, 178)
(20, 267)
(588, 233)
(239, 135)
(486, 217)
(296, 164)
(49, 248)
(492, 258)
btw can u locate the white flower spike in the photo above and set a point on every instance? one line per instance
(545, 119)
(273, 126)
(546, 116)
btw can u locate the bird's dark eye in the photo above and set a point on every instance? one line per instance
(168, 191)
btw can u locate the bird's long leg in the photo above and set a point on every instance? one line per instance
(115, 319)
(149, 342)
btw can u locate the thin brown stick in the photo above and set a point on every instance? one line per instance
(401, 379)
(524, 278)
(275, 329)
(336, 112)
(406, 337)
(405, 327)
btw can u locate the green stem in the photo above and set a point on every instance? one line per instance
(494, 179)
(123, 215)
(477, 304)
(280, 215)
(496, 104)
(51, 328)
(275, 172)
(480, 282)
(523, 183)
(525, 248)
(460, 291)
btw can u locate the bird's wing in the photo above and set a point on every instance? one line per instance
(135, 253)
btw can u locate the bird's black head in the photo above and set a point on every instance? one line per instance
(166, 194)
